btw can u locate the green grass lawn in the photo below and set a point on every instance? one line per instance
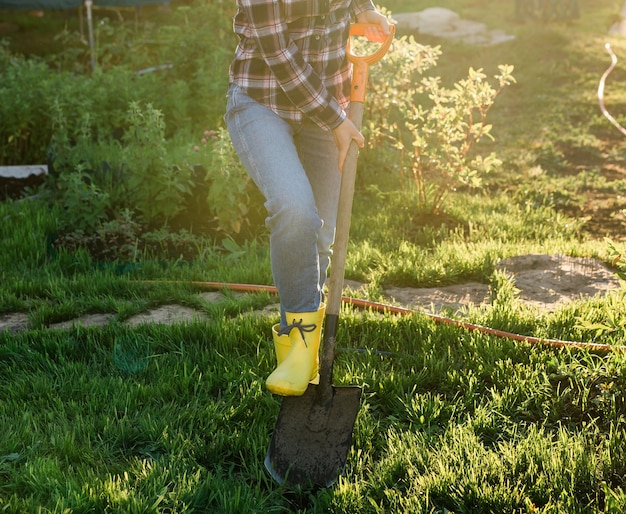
(173, 419)
(176, 419)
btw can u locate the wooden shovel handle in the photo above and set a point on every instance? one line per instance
(342, 228)
(348, 178)
(346, 195)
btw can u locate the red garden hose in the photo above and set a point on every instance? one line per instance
(383, 307)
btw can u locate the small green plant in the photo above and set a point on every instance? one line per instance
(107, 240)
(85, 205)
(173, 245)
(117, 239)
(229, 192)
(618, 257)
(610, 321)
(159, 186)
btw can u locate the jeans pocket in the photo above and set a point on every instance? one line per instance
(237, 101)
(231, 101)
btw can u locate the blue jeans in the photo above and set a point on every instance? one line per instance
(295, 166)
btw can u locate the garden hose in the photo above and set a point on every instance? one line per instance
(383, 307)
(606, 113)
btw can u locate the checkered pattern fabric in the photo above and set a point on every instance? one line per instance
(291, 56)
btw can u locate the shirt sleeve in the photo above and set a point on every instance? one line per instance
(304, 88)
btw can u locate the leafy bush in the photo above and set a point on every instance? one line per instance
(61, 101)
(85, 205)
(230, 187)
(392, 87)
(127, 193)
(617, 254)
(433, 127)
(136, 172)
(24, 109)
(159, 186)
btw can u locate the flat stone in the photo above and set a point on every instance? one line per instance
(435, 299)
(618, 28)
(167, 315)
(14, 322)
(499, 36)
(546, 281)
(352, 286)
(272, 310)
(447, 24)
(458, 30)
(212, 297)
(88, 320)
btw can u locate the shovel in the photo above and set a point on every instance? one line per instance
(312, 436)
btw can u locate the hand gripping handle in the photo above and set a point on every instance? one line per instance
(362, 62)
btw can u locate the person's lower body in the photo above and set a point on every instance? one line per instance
(295, 166)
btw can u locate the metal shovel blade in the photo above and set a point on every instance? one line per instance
(312, 436)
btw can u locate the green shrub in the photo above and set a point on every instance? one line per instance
(158, 185)
(25, 96)
(120, 197)
(230, 188)
(61, 101)
(618, 257)
(391, 88)
(431, 128)
(85, 205)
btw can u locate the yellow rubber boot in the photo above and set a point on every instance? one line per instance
(282, 345)
(300, 365)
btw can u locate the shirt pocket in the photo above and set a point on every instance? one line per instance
(295, 9)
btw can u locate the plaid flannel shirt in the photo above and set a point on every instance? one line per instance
(291, 56)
